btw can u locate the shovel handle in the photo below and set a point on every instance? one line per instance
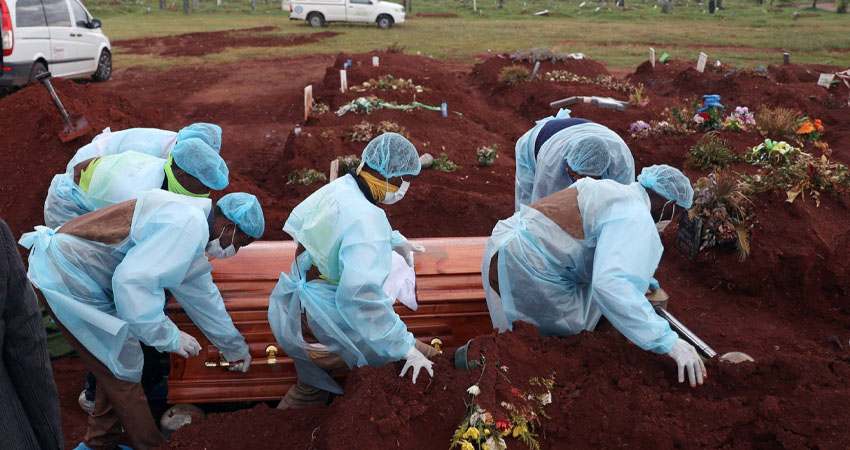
(44, 78)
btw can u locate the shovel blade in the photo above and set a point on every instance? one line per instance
(79, 126)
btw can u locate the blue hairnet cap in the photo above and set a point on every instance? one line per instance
(588, 155)
(392, 155)
(245, 211)
(207, 132)
(199, 160)
(669, 183)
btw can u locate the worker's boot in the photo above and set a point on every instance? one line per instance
(303, 395)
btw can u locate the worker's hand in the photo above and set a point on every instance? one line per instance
(686, 356)
(188, 346)
(417, 361)
(406, 251)
(243, 366)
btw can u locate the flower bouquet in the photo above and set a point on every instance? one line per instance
(708, 117)
(739, 120)
(810, 130)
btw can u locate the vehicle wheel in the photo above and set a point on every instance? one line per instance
(37, 68)
(104, 67)
(385, 22)
(316, 20)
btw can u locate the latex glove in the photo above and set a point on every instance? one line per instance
(243, 366)
(406, 251)
(417, 361)
(686, 356)
(188, 346)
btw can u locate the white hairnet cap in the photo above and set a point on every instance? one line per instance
(245, 211)
(588, 155)
(392, 155)
(669, 183)
(207, 132)
(199, 160)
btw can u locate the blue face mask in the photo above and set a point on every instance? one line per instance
(570, 176)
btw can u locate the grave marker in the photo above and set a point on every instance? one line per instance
(536, 69)
(375, 61)
(786, 58)
(825, 79)
(308, 101)
(703, 58)
(690, 235)
(334, 170)
(652, 56)
(343, 81)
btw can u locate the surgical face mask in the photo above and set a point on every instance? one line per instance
(570, 177)
(393, 197)
(215, 250)
(662, 224)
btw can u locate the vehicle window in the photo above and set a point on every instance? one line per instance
(80, 17)
(57, 13)
(360, 2)
(29, 13)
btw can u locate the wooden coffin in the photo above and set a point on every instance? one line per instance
(451, 301)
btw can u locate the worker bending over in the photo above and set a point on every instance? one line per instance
(343, 257)
(192, 168)
(103, 277)
(589, 251)
(552, 156)
(150, 141)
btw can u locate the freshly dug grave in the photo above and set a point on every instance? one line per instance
(32, 151)
(607, 394)
(206, 43)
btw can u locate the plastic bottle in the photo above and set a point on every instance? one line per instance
(444, 108)
(297, 130)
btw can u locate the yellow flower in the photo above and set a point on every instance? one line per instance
(466, 445)
(486, 432)
(519, 431)
(471, 433)
(485, 447)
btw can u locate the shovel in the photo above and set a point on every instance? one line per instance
(75, 126)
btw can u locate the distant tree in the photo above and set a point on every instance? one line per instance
(185, 6)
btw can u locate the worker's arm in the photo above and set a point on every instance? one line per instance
(364, 266)
(627, 253)
(202, 301)
(167, 241)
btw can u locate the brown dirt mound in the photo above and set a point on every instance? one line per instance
(206, 43)
(32, 151)
(438, 15)
(607, 393)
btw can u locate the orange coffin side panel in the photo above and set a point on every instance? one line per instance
(448, 288)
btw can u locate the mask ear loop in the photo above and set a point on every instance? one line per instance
(661, 216)
(360, 167)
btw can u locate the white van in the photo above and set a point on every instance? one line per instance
(320, 12)
(55, 35)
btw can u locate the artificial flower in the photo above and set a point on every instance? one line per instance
(516, 392)
(484, 446)
(806, 128)
(504, 369)
(487, 432)
(699, 119)
(503, 425)
(519, 430)
(474, 390)
(466, 445)
(472, 433)
(477, 416)
(495, 444)
(819, 125)
(546, 398)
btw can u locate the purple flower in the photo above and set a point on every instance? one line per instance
(639, 126)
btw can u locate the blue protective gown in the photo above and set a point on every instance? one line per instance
(350, 241)
(112, 296)
(117, 178)
(563, 285)
(551, 174)
(525, 160)
(150, 141)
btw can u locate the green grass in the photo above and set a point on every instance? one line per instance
(618, 38)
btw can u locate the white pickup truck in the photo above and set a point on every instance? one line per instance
(319, 12)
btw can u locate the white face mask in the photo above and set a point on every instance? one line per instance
(662, 224)
(393, 197)
(215, 250)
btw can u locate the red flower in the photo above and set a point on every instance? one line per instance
(516, 392)
(503, 425)
(705, 116)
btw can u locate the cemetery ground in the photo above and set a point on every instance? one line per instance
(786, 304)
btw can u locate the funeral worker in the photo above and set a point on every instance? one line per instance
(191, 168)
(29, 404)
(343, 257)
(566, 260)
(555, 153)
(150, 141)
(103, 277)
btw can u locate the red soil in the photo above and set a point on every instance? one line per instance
(205, 43)
(786, 305)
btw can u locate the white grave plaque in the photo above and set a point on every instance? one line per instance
(652, 56)
(343, 81)
(308, 101)
(703, 58)
(825, 79)
(375, 61)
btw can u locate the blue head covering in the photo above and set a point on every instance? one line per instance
(245, 211)
(392, 155)
(669, 183)
(207, 132)
(588, 155)
(202, 162)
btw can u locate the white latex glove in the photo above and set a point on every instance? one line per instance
(686, 356)
(243, 366)
(406, 251)
(188, 346)
(416, 360)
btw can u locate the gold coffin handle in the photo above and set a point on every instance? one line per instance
(437, 344)
(271, 354)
